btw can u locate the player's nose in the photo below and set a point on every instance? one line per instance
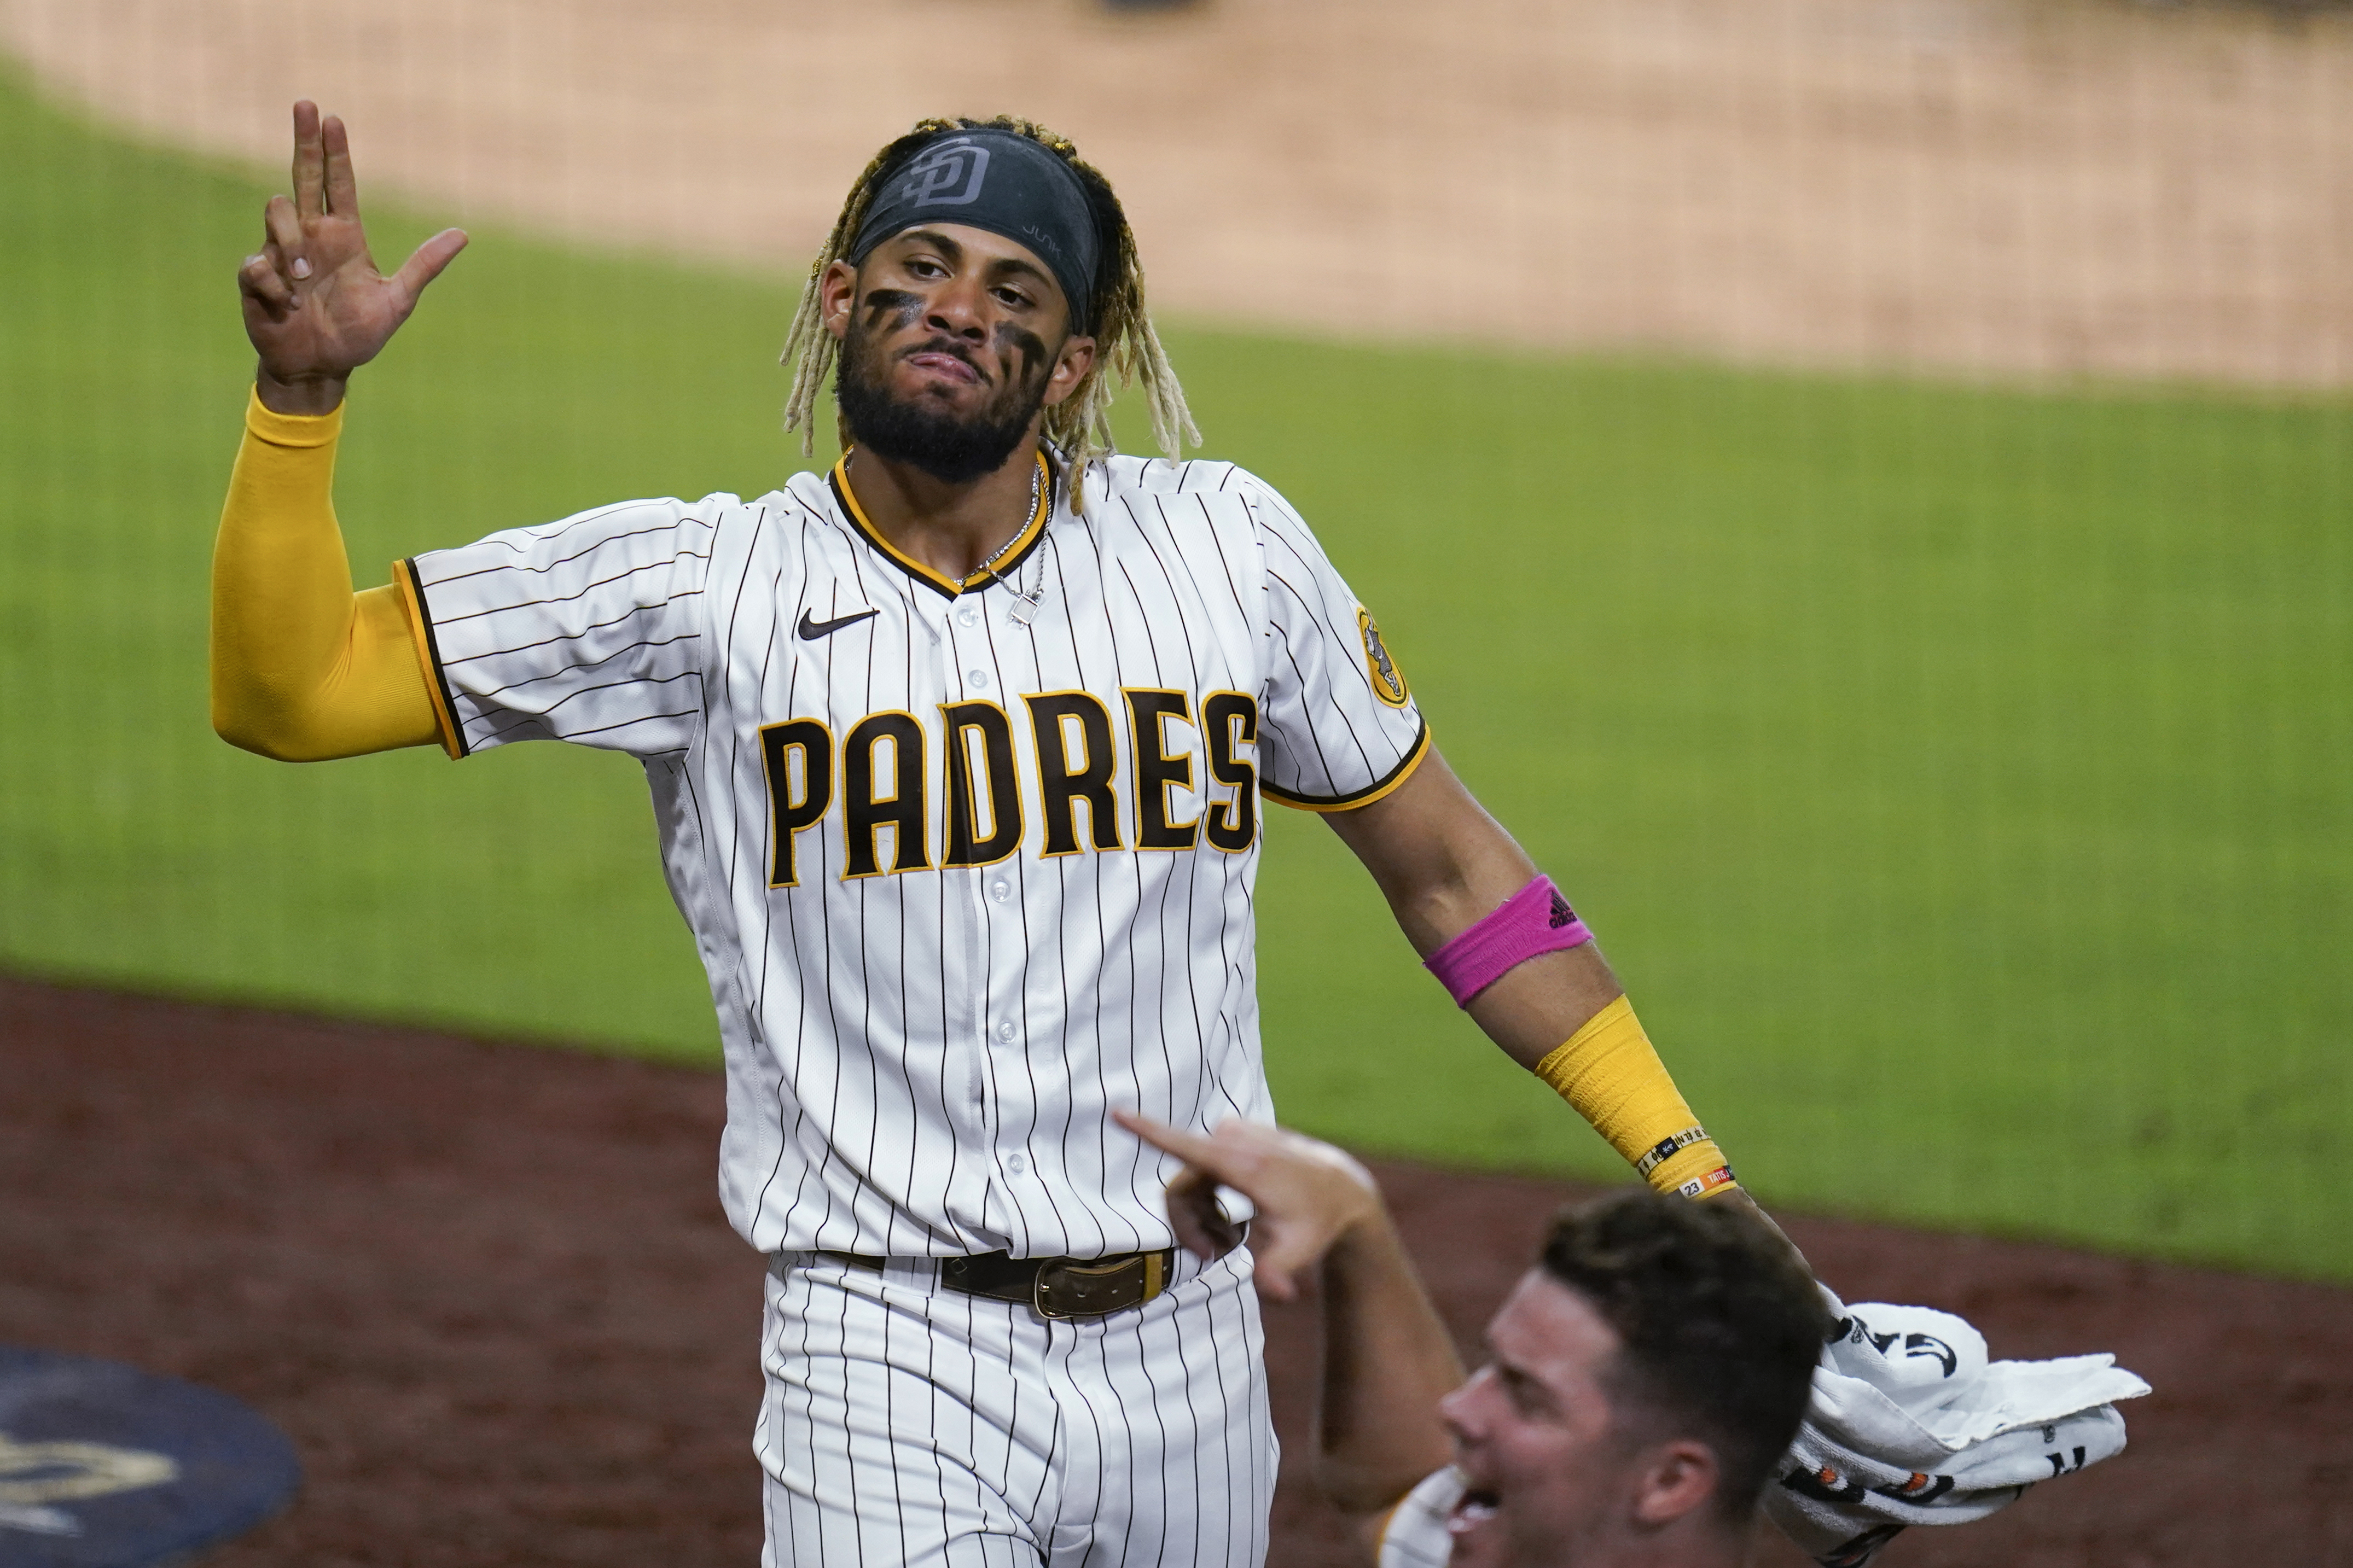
(957, 306)
(1459, 1411)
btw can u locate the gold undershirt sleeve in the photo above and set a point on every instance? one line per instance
(302, 667)
(1610, 1072)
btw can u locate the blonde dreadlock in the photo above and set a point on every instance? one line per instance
(1126, 346)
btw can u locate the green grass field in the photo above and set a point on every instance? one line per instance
(1958, 777)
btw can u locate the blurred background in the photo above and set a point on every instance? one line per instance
(1860, 487)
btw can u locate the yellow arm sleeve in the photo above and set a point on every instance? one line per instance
(302, 667)
(1610, 1074)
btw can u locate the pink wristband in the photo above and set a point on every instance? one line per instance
(1535, 920)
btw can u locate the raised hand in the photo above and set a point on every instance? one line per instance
(315, 306)
(1308, 1195)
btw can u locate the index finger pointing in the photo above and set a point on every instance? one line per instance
(1190, 1147)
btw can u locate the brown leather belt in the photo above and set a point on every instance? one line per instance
(1058, 1287)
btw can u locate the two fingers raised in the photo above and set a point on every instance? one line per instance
(323, 181)
(323, 184)
(319, 145)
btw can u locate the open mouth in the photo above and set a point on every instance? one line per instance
(1476, 1508)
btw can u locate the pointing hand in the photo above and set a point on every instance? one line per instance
(1308, 1195)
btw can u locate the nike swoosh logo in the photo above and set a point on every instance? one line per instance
(812, 629)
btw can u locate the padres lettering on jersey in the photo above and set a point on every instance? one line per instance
(1062, 776)
(961, 882)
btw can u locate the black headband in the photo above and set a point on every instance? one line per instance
(1002, 182)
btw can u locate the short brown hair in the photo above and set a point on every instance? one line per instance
(1719, 1325)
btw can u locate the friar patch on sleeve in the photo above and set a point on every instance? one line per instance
(1388, 684)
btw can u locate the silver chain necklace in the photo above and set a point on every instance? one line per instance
(1025, 606)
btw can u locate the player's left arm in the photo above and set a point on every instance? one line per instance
(1446, 867)
(1338, 734)
(1444, 864)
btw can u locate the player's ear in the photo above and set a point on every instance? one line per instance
(836, 293)
(1076, 358)
(1673, 1479)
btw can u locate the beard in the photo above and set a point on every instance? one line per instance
(952, 449)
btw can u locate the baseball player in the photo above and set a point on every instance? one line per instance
(957, 753)
(1661, 1372)
(1643, 1380)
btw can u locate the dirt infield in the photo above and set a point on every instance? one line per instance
(2019, 186)
(488, 1292)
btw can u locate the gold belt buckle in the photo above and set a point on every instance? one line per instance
(1064, 1291)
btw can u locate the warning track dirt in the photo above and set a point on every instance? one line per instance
(487, 1291)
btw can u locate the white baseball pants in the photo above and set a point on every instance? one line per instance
(907, 1424)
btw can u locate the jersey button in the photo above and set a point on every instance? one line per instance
(1000, 889)
(1006, 1031)
(976, 678)
(1017, 1164)
(967, 616)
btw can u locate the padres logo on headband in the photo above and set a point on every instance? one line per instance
(1388, 684)
(948, 176)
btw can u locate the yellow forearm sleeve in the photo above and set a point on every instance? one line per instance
(1611, 1075)
(303, 668)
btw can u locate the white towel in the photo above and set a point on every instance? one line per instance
(1911, 1424)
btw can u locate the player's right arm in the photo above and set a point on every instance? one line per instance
(302, 667)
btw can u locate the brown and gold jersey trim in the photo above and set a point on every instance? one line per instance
(939, 582)
(411, 588)
(1354, 798)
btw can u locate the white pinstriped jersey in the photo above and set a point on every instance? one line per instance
(961, 884)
